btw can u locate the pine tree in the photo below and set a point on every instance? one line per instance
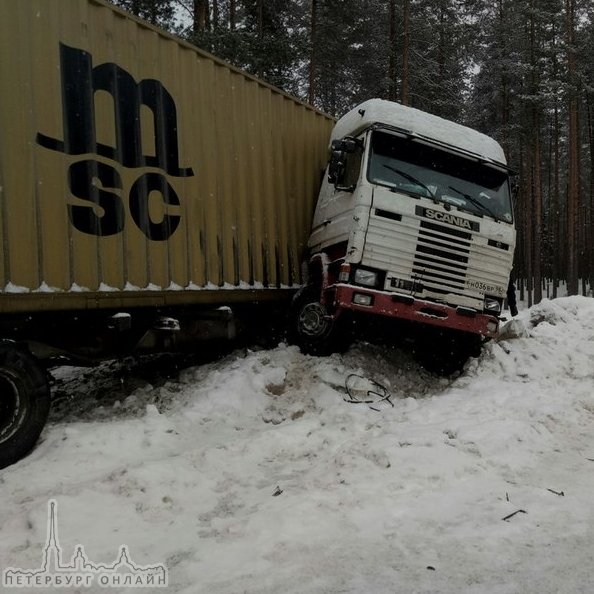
(160, 13)
(440, 34)
(573, 151)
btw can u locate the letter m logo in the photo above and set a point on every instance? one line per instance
(80, 81)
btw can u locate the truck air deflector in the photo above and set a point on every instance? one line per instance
(443, 145)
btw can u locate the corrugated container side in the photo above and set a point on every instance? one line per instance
(131, 162)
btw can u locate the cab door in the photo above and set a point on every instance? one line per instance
(340, 195)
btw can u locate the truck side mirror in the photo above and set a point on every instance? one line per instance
(337, 166)
(350, 144)
(338, 160)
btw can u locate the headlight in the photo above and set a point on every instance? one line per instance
(492, 305)
(365, 277)
(362, 299)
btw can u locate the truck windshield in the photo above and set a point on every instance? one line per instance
(415, 168)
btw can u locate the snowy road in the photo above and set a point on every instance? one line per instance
(252, 474)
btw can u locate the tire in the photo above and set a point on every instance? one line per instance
(24, 403)
(313, 329)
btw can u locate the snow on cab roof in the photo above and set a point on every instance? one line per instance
(419, 124)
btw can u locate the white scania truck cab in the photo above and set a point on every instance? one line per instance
(414, 222)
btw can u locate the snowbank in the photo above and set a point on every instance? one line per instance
(252, 474)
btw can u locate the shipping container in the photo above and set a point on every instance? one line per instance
(137, 170)
(144, 186)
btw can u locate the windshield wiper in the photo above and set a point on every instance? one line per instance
(413, 180)
(476, 202)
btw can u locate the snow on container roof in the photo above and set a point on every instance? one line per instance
(419, 124)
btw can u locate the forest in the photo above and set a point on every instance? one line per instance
(521, 71)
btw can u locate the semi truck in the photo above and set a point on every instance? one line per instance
(152, 196)
(148, 193)
(413, 227)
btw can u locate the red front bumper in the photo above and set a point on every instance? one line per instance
(405, 307)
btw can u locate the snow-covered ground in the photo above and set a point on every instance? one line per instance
(252, 474)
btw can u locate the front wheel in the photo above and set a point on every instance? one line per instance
(313, 328)
(24, 403)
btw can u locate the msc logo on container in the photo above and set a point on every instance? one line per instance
(80, 81)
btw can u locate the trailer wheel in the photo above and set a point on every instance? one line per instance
(24, 403)
(313, 329)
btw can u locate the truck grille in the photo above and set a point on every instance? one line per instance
(441, 257)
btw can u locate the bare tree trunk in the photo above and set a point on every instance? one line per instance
(573, 155)
(313, 51)
(535, 221)
(557, 226)
(232, 14)
(505, 95)
(259, 70)
(404, 93)
(201, 16)
(590, 233)
(392, 95)
(537, 212)
(214, 25)
(528, 226)
(261, 18)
